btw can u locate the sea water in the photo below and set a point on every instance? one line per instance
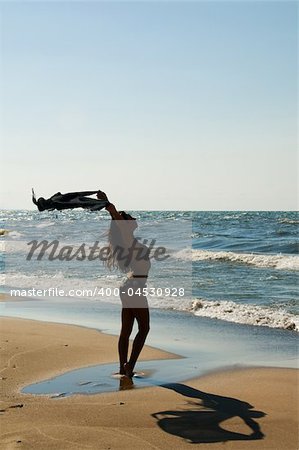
(235, 266)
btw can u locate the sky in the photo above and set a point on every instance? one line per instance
(163, 105)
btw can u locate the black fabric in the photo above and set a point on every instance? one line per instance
(71, 200)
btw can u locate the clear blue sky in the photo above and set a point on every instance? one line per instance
(164, 105)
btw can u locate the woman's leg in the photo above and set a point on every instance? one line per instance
(127, 320)
(142, 317)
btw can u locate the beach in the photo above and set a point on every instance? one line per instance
(149, 162)
(243, 408)
(221, 362)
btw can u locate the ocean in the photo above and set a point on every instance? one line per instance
(234, 266)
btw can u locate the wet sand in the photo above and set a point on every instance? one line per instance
(246, 408)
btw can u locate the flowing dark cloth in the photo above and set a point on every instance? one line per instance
(71, 200)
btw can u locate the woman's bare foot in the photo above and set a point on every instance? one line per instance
(128, 370)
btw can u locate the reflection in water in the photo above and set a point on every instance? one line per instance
(125, 383)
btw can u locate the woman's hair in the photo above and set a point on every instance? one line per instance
(117, 248)
(125, 215)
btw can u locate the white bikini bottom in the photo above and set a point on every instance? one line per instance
(131, 293)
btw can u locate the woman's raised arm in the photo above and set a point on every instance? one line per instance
(115, 215)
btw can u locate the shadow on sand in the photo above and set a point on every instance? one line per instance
(201, 421)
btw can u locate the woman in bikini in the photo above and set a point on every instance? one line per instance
(131, 257)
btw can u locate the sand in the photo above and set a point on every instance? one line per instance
(252, 408)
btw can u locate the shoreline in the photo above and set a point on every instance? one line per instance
(148, 353)
(290, 321)
(255, 404)
(159, 354)
(208, 344)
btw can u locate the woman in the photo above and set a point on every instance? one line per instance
(131, 257)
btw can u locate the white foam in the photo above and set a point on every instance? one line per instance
(289, 221)
(260, 260)
(44, 224)
(14, 246)
(245, 314)
(12, 233)
(44, 280)
(21, 246)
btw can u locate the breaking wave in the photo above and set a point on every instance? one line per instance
(245, 314)
(279, 261)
